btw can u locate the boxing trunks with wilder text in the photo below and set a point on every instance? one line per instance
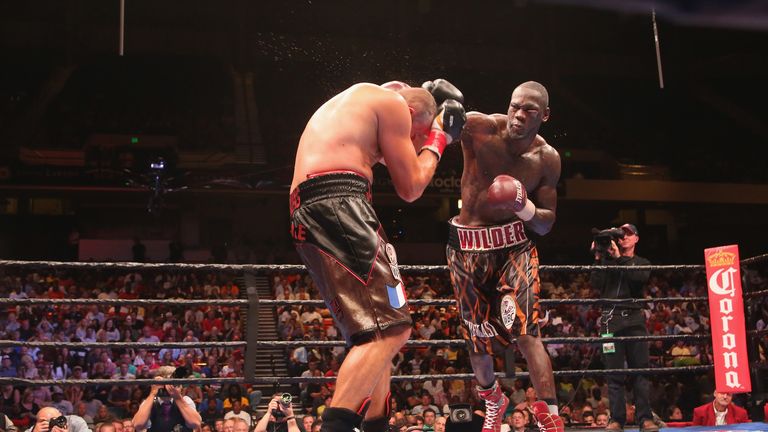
(495, 277)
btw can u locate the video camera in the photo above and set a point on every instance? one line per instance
(603, 238)
(460, 413)
(283, 403)
(180, 372)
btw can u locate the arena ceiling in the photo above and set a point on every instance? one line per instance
(597, 56)
(552, 37)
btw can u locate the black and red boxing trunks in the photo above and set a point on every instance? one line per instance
(339, 238)
(495, 277)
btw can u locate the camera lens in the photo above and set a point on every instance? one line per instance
(60, 421)
(180, 372)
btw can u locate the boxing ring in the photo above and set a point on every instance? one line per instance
(252, 343)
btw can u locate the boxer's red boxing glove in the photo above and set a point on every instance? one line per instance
(446, 127)
(436, 142)
(508, 192)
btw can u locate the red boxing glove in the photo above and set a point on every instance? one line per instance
(436, 142)
(446, 127)
(508, 192)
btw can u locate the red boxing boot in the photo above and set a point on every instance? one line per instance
(547, 421)
(495, 405)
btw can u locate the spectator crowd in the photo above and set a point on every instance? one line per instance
(426, 403)
(584, 399)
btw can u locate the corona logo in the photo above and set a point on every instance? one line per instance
(722, 281)
(721, 259)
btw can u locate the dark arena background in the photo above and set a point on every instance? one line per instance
(222, 91)
(165, 132)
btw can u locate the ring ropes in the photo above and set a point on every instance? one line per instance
(254, 342)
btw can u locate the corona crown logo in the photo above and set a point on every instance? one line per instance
(721, 259)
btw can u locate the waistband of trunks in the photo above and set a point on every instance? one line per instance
(329, 185)
(485, 238)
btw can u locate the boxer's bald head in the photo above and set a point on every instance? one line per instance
(540, 89)
(394, 86)
(528, 109)
(422, 103)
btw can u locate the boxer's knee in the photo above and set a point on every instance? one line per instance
(393, 338)
(529, 345)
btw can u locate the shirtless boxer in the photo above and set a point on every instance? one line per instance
(338, 235)
(494, 266)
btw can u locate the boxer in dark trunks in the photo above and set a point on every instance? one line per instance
(493, 263)
(339, 237)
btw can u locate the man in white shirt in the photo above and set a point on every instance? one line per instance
(434, 386)
(426, 403)
(310, 315)
(123, 373)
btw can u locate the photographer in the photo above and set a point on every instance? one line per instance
(616, 246)
(165, 408)
(49, 419)
(279, 416)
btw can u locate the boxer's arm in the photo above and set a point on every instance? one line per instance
(545, 196)
(411, 173)
(477, 126)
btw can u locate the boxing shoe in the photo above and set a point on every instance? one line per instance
(648, 425)
(495, 405)
(343, 419)
(379, 424)
(547, 421)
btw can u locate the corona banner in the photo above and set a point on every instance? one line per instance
(726, 311)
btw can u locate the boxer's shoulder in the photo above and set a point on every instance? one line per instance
(478, 116)
(548, 157)
(372, 96)
(365, 86)
(545, 150)
(368, 90)
(481, 122)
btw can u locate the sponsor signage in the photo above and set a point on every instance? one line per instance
(726, 310)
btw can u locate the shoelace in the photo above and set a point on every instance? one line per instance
(541, 426)
(550, 420)
(491, 412)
